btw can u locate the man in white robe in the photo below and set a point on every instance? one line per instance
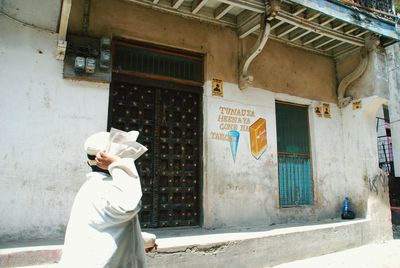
(104, 230)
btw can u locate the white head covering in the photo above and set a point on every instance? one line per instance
(116, 142)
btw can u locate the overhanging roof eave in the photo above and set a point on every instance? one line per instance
(349, 15)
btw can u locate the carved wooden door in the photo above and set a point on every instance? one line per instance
(170, 127)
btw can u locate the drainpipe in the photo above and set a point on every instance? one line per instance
(62, 32)
(246, 80)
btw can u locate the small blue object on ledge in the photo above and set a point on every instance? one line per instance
(347, 214)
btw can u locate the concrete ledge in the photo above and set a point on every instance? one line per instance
(240, 247)
(31, 255)
(257, 247)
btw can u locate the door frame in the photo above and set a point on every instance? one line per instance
(311, 152)
(166, 85)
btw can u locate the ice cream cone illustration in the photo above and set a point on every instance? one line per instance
(233, 142)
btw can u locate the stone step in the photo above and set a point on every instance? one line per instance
(24, 254)
(238, 247)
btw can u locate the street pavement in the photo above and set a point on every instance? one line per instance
(382, 255)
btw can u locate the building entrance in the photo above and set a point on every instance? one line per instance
(168, 117)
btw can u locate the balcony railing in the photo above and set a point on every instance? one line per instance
(383, 8)
(385, 151)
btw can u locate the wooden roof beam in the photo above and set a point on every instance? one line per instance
(339, 26)
(176, 3)
(318, 29)
(362, 33)
(276, 25)
(291, 29)
(197, 5)
(258, 7)
(185, 11)
(350, 30)
(334, 46)
(221, 10)
(300, 35)
(329, 20)
(313, 39)
(250, 27)
(299, 9)
(312, 15)
(324, 43)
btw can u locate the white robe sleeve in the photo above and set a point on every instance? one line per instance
(125, 194)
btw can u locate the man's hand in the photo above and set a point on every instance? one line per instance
(103, 159)
(152, 249)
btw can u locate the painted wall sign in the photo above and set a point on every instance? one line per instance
(217, 87)
(318, 111)
(326, 110)
(230, 118)
(356, 105)
(237, 124)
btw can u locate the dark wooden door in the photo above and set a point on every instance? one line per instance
(170, 127)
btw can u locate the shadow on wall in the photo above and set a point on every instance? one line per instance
(396, 231)
(394, 193)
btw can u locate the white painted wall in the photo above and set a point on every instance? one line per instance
(374, 81)
(246, 192)
(44, 121)
(41, 13)
(393, 56)
(369, 187)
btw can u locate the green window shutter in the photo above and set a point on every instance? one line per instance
(293, 155)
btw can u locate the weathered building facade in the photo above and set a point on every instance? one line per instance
(255, 113)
